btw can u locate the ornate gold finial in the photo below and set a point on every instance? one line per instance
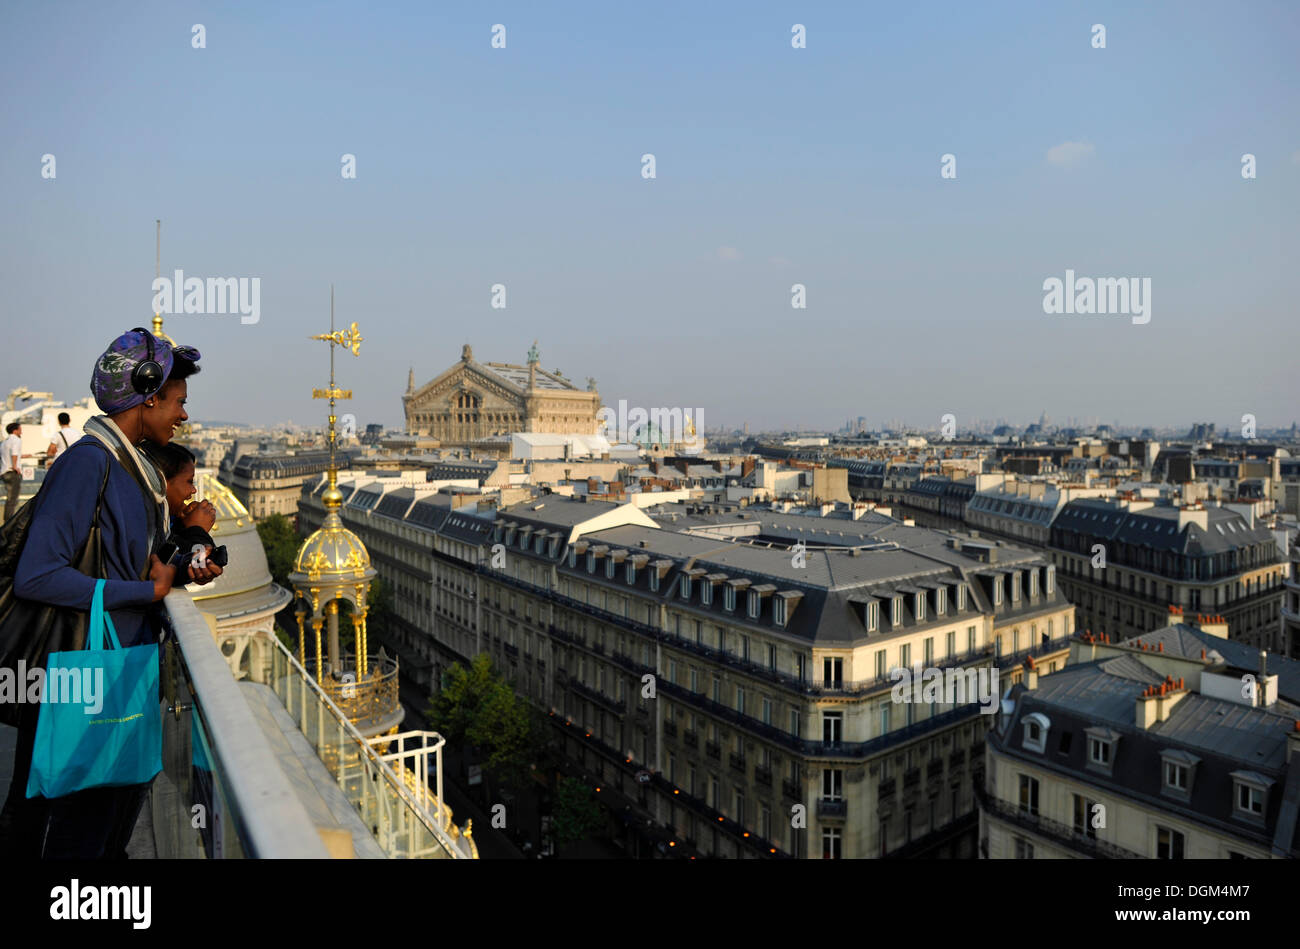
(350, 339)
(157, 272)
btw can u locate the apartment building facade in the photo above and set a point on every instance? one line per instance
(1124, 563)
(1150, 749)
(771, 727)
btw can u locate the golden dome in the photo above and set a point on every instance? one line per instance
(223, 499)
(158, 331)
(333, 552)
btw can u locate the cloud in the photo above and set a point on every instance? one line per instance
(728, 253)
(1069, 154)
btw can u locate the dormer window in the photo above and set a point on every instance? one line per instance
(1102, 745)
(1177, 770)
(686, 586)
(1015, 587)
(919, 600)
(573, 557)
(1036, 726)
(631, 572)
(654, 580)
(1051, 580)
(754, 605)
(997, 591)
(1033, 582)
(729, 598)
(609, 568)
(961, 597)
(1250, 795)
(1099, 752)
(591, 562)
(941, 601)
(554, 547)
(873, 616)
(706, 593)
(896, 612)
(783, 604)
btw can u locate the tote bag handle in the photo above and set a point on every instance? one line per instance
(100, 621)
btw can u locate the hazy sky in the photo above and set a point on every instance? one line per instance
(775, 166)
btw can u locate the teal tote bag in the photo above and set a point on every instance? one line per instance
(99, 723)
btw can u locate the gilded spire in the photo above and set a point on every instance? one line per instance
(351, 341)
(157, 272)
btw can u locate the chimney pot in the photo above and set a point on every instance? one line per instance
(1160, 647)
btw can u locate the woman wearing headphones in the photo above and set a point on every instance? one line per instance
(140, 385)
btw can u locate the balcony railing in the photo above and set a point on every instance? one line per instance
(1014, 658)
(595, 695)
(266, 817)
(738, 762)
(713, 750)
(832, 808)
(691, 739)
(758, 670)
(860, 749)
(370, 701)
(763, 775)
(670, 728)
(1053, 830)
(792, 790)
(242, 775)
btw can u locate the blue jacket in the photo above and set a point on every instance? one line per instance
(60, 525)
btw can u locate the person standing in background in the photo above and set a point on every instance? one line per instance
(63, 440)
(11, 472)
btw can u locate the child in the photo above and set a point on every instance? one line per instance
(190, 522)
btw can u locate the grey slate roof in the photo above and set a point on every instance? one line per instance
(1226, 737)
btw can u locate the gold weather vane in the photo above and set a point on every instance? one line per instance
(350, 340)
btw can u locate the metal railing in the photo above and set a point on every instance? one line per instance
(1052, 830)
(832, 808)
(390, 808)
(264, 816)
(367, 700)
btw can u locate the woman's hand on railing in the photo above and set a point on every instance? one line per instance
(162, 575)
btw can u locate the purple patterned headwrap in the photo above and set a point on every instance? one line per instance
(110, 383)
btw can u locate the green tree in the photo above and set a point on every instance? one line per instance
(280, 541)
(576, 815)
(477, 707)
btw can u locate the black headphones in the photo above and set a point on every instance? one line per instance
(148, 376)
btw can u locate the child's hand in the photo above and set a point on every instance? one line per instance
(199, 514)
